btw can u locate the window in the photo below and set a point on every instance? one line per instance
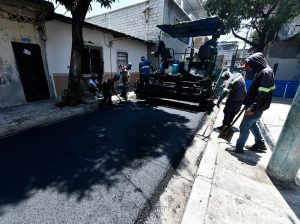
(92, 61)
(122, 59)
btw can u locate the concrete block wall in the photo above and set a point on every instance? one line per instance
(132, 20)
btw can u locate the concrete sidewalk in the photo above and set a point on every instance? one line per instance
(234, 188)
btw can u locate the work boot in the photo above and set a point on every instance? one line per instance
(235, 150)
(257, 147)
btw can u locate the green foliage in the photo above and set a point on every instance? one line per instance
(78, 8)
(72, 5)
(265, 17)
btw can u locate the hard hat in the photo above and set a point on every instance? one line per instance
(117, 77)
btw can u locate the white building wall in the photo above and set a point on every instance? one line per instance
(286, 53)
(11, 90)
(59, 43)
(288, 68)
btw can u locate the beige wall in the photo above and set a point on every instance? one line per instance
(11, 90)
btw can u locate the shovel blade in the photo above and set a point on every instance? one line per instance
(226, 133)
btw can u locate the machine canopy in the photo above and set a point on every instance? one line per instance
(201, 27)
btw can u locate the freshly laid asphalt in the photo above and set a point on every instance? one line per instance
(102, 167)
(105, 168)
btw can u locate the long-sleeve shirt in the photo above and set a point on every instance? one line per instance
(259, 96)
(234, 88)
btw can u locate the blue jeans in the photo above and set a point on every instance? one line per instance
(249, 123)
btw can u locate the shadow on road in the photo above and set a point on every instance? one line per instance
(75, 155)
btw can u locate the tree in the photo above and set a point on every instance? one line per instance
(78, 9)
(265, 17)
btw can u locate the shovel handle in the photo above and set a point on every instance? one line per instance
(238, 116)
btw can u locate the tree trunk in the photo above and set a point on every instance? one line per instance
(78, 16)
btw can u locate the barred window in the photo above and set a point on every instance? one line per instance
(122, 58)
(20, 18)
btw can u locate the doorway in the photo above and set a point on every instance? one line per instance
(31, 71)
(92, 62)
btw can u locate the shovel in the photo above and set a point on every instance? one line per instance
(227, 131)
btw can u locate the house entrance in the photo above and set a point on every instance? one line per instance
(31, 70)
(92, 62)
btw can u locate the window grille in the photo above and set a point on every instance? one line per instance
(20, 18)
(122, 58)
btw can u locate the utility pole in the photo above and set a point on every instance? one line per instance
(285, 160)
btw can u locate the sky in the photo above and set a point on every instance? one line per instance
(96, 7)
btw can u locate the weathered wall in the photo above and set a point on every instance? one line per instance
(287, 54)
(59, 50)
(11, 90)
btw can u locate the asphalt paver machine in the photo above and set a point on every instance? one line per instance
(193, 79)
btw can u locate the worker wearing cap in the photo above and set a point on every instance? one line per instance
(235, 89)
(257, 100)
(125, 75)
(213, 42)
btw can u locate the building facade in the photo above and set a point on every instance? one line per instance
(284, 52)
(35, 51)
(140, 20)
(24, 76)
(104, 51)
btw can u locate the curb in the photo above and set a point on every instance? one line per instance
(54, 116)
(266, 134)
(199, 198)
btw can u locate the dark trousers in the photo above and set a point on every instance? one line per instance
(107, 94)
(144, 80)
(231, 109)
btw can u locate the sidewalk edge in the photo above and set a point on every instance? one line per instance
(199, 197)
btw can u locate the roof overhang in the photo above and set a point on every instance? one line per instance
(37, 8)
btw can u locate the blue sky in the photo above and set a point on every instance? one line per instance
(96, 7)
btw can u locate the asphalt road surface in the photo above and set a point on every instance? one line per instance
(103, 167)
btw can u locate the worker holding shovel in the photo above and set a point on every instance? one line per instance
(108, 89)
(235, 89)
(258, 99)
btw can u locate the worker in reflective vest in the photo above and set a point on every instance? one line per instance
(144, 67)
(235, 89)
(257, 100)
